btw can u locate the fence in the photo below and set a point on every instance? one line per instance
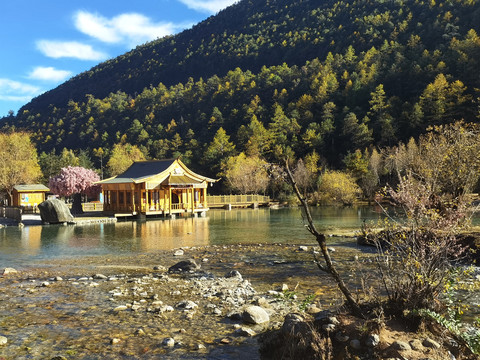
(92, 206)
(14, 213)
(236, 200)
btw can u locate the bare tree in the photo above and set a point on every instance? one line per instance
(321, 240)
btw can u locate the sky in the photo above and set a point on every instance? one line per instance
(44, 43)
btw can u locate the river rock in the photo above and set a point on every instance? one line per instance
(355, 344)
(372, 340)
(184, 266)
(7, 271)
(294, 324)
(431, 343)
(187, 305)
(168, 342)
(245, 332)
(255, 315)
(234, 274)
(54, 211)
(401, 345)
(3, 340)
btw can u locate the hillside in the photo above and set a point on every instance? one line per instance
(328, 77)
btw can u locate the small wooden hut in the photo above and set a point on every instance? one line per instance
(29, 196)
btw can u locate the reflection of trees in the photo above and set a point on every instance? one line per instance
(241, 226)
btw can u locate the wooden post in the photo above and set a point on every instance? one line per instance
(133, 198)
(169, 200)
(193, 200)
(205, 197)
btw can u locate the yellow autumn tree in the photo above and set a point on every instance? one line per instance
(247, 175)
(18, 161)
(123, 155)
(336, 187)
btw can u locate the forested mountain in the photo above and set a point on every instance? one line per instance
(275, 76)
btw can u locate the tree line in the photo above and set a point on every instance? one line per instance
(444, 158)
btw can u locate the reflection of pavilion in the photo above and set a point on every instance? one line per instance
(160, 187)
(165, 234)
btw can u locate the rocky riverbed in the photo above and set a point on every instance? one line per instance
(209, 302)
(212, 305)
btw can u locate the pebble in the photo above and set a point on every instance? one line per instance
(140, 332)
(179, 252)
(187, 305)
(355, 344)
(246, 332)
(415, 344)
(120, 308)
(340, 337)
(100, 277)
(115, 341)
(303, 248)
(328, 327)
(372, 340)
(168, 342)
(401, 345)
(430, 343)
(3, 340)
(45, 284)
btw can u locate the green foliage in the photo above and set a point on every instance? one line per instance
(281, 78)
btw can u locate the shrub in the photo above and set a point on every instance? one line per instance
(336, 187)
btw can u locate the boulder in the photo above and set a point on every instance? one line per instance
(294, 325)
(54, 211)
(255, 315)
(184, 266)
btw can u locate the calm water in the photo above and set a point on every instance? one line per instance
(30, 244)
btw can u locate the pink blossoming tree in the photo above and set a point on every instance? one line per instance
(75, 180)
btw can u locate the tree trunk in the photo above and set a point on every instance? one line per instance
(77, 204)
(321, 240)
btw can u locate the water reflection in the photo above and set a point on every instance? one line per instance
(23, 245)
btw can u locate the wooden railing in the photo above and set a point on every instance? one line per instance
(222, 200)
(92, 207)
(14, 213)
(178, 206)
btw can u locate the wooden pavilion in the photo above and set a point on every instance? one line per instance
(159, 187)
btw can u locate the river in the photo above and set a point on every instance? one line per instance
(25, 246)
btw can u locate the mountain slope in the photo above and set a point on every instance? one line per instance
(275, 78)
(254, 33)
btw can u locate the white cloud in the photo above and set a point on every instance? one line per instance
(70, 49)
(208, 6)
(131, 29)
(49, 74)
(96, 26)
(16, 91)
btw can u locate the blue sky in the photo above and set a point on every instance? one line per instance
(44, 43)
